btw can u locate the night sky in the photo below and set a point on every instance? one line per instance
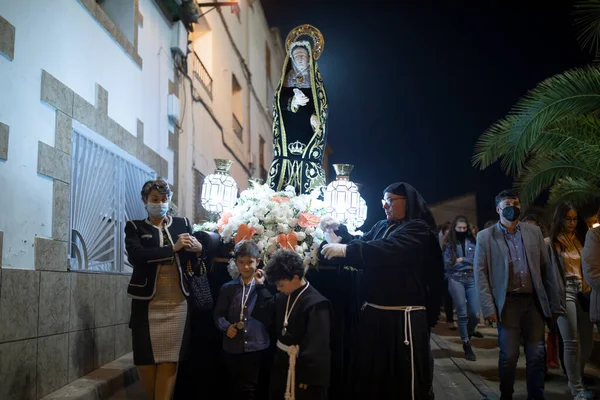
(412, 84)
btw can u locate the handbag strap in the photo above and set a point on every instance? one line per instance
(202, 267)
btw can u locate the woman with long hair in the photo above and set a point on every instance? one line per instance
(459, 250)
(567, 237)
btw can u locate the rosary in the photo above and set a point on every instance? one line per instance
(287, 313)
(240, 325)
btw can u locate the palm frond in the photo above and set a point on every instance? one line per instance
(576, 190)
(587, 24)
(492, 144)
(575, 92)
(578, 136)
(561, 97)
(544, 170)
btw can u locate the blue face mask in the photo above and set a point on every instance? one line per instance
(157, 210)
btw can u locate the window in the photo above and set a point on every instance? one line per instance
(122, 14)
(237, 107)
(261, 159)
(200, 213)
(105, 194)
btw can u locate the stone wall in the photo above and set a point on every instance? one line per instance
(58, 325)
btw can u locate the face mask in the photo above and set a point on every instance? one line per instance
(157, 210)
(461, 235)
(511, 213)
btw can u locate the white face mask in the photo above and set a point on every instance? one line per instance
(157, 210)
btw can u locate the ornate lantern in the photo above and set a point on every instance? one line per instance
(361, 217)
(341, 196)
(219, 191)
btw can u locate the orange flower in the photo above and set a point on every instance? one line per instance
(288, 242)
(224, 218)
(280, 199)
(244, 232)
(308, 220)
(223, 221)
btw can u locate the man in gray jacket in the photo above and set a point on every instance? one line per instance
(517, 290)
(590, 262)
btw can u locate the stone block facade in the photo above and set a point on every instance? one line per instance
(58, 325)
(7, 39)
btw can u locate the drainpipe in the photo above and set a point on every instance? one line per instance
(248, 94)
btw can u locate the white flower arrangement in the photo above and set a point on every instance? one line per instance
(274, 220)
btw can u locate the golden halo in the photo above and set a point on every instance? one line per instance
(307, 30)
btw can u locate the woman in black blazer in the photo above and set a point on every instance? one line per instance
(160, 248)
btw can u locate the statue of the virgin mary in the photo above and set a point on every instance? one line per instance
(299, 116)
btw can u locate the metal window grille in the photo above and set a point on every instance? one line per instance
(201, 73)
(105, 193)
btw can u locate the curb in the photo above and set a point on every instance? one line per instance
(101, 383)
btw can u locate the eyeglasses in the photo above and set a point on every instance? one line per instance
(390, 201)
(570, 219)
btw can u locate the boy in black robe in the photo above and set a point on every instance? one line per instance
(403, 273)
(302, 318)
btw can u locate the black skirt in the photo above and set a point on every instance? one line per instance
(381, 367)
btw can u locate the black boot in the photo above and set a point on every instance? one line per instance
(469, 355)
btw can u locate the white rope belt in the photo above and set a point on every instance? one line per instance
(292, 352)
(407, 334)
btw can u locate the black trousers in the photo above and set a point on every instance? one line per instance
(243, 371)
(302, 393)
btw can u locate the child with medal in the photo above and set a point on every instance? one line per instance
(244, 338)
(302, 318)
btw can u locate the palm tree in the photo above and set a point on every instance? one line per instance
(551, 137)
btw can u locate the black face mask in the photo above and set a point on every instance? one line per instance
(461, 235)
(511, 213)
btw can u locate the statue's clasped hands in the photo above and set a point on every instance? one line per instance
(299, 99)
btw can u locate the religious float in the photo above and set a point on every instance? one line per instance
(285, 212)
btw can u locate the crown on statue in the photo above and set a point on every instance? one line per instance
(296, 148)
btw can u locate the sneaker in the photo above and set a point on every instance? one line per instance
(584, 395)
(478, 334)
(469, 355)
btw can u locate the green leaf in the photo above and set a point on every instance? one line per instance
(577, 190)
(512, 139)
(493, 144)
(544, 171)
(572, 93)
(587, 24)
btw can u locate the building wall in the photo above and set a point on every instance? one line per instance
(72, 69)
(447, 210)
(228, 46)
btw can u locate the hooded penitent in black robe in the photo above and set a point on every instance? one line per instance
(309, 328)
(402, 265)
